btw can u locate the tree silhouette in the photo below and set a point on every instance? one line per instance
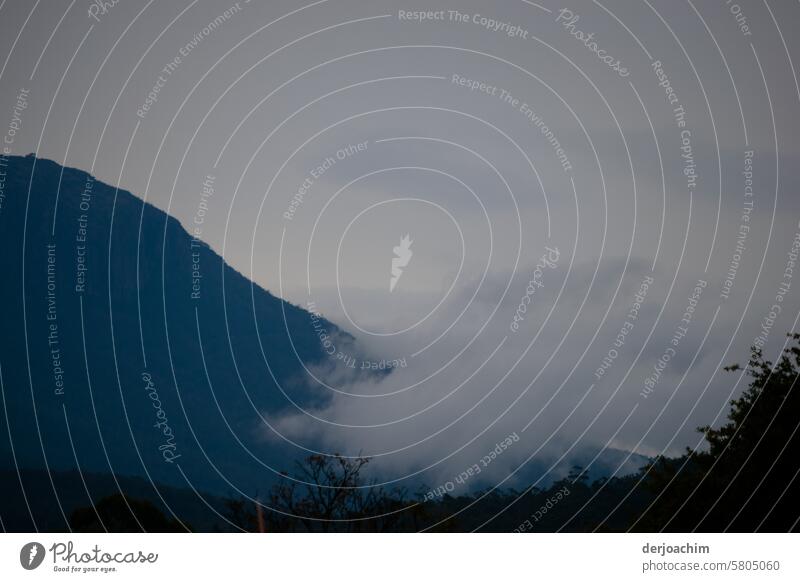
(327, 493)
(747, 479)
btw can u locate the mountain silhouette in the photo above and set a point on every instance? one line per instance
(108, 361)
(117, 359)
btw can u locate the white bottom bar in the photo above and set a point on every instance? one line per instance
(349, 557)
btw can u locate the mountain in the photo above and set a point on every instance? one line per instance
(110, 359)
(128, 347)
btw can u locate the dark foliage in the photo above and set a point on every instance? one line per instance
(747, 478)
(326, 494)
(119, 513)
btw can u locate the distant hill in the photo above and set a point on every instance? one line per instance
(111, 286)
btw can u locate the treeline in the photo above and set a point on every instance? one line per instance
(745, 479)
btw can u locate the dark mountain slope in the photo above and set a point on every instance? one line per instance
(104, 304)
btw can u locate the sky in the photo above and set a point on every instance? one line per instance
(578, 183)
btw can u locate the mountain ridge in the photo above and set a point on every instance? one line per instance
(122, 371)
(105, 304)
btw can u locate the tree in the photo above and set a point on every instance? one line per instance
(747, 479)
(326, 493)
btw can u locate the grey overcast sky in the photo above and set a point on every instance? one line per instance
(620, 134)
